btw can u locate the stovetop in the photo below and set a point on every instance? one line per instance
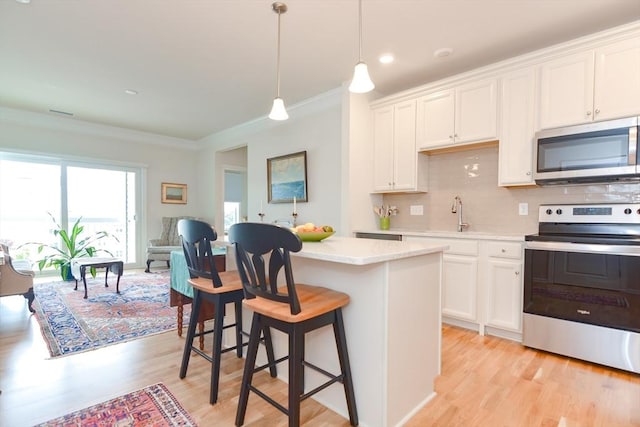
(605, 224)
(588, 239)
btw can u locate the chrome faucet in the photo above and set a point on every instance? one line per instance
(456, 207)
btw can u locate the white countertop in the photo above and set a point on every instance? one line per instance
(477, 235)
(349, 250)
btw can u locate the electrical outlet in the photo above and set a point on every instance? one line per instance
(523, 209)
(416, 210)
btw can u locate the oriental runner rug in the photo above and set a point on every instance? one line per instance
(152, 406)
(73, 324)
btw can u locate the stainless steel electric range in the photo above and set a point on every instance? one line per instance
(582, 283)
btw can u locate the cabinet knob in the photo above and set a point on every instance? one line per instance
(597, 111)
(504, 250)
(517, 273)
(529, 173)
(588, 113)
(455, 135)
(450, 136)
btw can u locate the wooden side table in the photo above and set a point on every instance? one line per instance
(79, 268)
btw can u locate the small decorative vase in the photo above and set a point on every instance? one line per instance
(384, 223)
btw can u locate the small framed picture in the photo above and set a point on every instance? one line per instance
(174, 193)
(287, 178)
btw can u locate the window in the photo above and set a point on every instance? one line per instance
(103, 195)
(231, 214)
(234, 196)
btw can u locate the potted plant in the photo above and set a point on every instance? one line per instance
(74, 245)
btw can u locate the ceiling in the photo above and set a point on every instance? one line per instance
(201, 66)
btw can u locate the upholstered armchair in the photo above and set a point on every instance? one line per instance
(16, 277)
(160, 249)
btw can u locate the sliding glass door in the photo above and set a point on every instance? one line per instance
(105, 200)
(34, 189)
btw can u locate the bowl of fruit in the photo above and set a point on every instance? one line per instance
(310, 232)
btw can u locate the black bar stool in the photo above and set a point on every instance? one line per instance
(218, 288)
(294, 309)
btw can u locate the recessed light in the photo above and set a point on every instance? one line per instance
(130, 92)
(443, 53)
(386, 58)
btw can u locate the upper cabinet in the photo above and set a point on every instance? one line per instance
(517, 99)
(596, 85)
(397, 165)
(461, 115)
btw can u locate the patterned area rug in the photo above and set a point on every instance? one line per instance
(72, 324)
(153, 406)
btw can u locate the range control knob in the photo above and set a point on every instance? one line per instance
(549, 211)
(559, 211)
(627, 211)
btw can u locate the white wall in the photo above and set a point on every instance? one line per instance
(165, 159)
(315, 126)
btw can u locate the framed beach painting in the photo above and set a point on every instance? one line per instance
(174, 193)
(287, 178)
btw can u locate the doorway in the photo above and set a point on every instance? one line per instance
(234, 183)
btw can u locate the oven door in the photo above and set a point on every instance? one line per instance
(587, 283)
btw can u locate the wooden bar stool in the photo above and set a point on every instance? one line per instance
(294, 309)
(218, 288)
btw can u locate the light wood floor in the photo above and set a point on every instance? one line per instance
(485, 381)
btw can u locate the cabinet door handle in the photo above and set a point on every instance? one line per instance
(450, 136)
(597, 111)
(503, 250)
(588, 113)
(517, 273)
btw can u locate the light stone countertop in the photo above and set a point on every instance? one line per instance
(446, 234)
(349, 250)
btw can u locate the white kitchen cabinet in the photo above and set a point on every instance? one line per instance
(515, 159)
(383, 148)
(595, 85)
(436, 118)
(482, 286)
(617, 80)
(397, 165)
(459, 279)
(459, 292)
(461, 115)
(503, 286)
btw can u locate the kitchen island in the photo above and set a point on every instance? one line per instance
(392, 324)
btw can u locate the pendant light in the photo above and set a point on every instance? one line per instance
(278, 112)
(361, 82)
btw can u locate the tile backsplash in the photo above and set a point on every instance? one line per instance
(473, 175)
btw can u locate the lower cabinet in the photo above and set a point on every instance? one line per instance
(482, 285)
(503, 288)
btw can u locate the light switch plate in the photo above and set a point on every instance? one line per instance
(416, 210)
(523, 209)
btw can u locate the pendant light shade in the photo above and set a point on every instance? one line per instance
(278, 112)
(361, 82)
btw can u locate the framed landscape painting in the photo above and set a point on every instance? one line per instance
(287, 178)
(174, 193)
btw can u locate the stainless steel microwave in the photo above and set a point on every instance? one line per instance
(595, 152)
